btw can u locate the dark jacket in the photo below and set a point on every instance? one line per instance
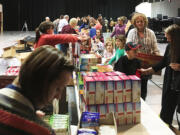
(170, 75)
(18, 116)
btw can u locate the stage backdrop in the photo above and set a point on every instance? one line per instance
(16, 12)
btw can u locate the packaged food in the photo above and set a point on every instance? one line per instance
(102, 109)
(136, 88)
(127, 91)
(109, 90)
(86, 131)
(90, 90)
(128, 113)
(120, 114)
(136, 112)
(99, 89)
(90, 119)
(118, 89)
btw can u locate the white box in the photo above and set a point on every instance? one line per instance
(127, 89)
(118, 89)
(136, 88)
(120, 114)
(136, 112)
(90, 90)
(99, 90)
(102, 109)
(109, 90)
(128, 113)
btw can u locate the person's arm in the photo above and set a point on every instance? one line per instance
(120, 54)
(154, 44)
(164, 62)
(60, 39)
(112, 59)
(113, 33)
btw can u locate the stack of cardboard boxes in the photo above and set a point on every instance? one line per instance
(113, 92)
(88, 60)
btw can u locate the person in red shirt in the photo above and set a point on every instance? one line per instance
(45, 36)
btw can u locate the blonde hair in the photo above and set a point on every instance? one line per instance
(109, 42)
(73, 21)
(121, 19)
(136, 16)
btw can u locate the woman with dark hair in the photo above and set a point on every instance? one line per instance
(42, 78)
(171, 85)
(99, 35)
(45, 36)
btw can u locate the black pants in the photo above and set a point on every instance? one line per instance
(169, 104)
(144, 88)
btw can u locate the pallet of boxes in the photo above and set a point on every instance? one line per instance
(113, 92)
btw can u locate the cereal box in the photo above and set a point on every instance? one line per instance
(110, 109)
(119, 113)
(109, 90)
(136, 88)
(136, 112)
(127, 91)
(99, 90)
(128, 107)
(90, 90)
(118, 89)
(92, 108)
(102, 109)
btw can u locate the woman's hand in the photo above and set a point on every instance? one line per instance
(148, 71)
(40, 113)
(175, 66)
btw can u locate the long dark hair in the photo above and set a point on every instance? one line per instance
(174, 32)
(43, 27)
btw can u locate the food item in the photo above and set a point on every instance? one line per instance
(90, 90)
(60, 123)
(136, 88)
(118, 89)
(102, 109)
(120, 114)
(86, 131)
(127, 91)
(136, 112)
(99, 89)
(109, 90)
(128, 113)
(89, 119)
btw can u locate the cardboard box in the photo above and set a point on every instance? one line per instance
(120, 114)
(119, 73)
(128, 107)
(109, 90)
(92, 108)
(90, 90)
(118, 89)
(102, 109)
(136, 112)
(90, 59)
(127, 90)
(22, 56)
(110, 109)
(99, 90)
(9, 52)
(136, 88)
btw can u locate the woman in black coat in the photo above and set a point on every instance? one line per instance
(171, 84)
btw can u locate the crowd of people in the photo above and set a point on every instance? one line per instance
(47, 67)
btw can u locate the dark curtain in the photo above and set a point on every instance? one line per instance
(16, 12)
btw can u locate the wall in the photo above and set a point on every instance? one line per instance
(166, 8)
(16, 12)
(144, 8)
